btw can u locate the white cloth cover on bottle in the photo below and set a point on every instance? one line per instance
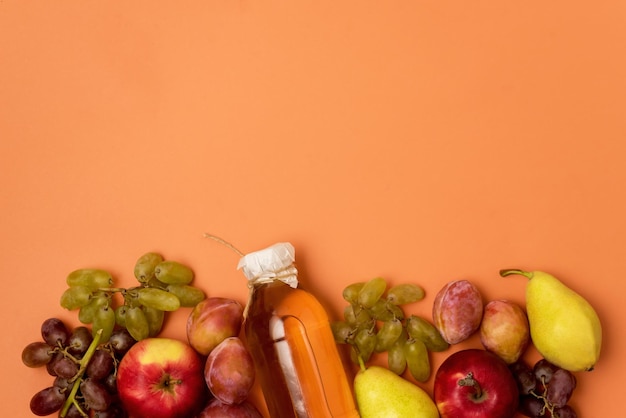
(272, 263)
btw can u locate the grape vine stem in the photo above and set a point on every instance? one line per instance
(83, 366)
(223, 242)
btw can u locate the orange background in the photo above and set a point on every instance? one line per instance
(421, 141)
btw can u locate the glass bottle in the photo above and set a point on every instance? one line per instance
(288, 332)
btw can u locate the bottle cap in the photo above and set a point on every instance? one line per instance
(269, 264)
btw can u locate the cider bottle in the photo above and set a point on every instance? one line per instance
(289, 336)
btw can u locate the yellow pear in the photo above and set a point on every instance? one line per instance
(380, 393)
(564, 327)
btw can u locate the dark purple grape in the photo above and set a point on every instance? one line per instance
(50, 366)
(100, 365)
(47, 401)
(110, 383)
(37, 354)
(531, 406)
(65, 367)
(73, 412)
(54, 332)
(524, 377)
(115, 411)
(62, 383)
(96, 395)
(543, 371)
(560, 388)
(565, 412)
(121, 341)
(79, 341)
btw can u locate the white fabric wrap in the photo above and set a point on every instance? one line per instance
(269, 264)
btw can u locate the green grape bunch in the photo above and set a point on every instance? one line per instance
(374, 322)
(163, 286)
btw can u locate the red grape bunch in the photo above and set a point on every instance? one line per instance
(545, 389)
(84, 370)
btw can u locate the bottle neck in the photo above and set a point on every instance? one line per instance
(287, 275)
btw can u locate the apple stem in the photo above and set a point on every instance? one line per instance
(470, 381)
(510, 272)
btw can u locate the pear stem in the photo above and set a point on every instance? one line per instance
(361, 363)
(470, 381)
(510, 272)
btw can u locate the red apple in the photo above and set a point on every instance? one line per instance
(161, 378)
(475, 383)
(212, 321)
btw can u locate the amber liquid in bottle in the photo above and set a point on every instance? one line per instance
(298, 364)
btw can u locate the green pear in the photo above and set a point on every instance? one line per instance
(380, 393)
(564, 327)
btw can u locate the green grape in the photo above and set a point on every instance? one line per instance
(156, 283)
(354, 355)
(396, 360)
(420, 329)
(92, 278)
(388, 334)
(417, 359)
(342, 331)
(137, 323)
(75, 297)
(384, 311)
(146, 265)
(371, 292)
(355, 315)
(155, 320)
(351, 292)
(88, 311)
(173, 272)
(405, 293)
(158, 299)
(365, 342)
(103, 319)
(396, 311)
(348, 315)
(120, 315)
(188, 296)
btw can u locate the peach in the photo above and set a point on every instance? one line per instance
(504, 330)
(457, 311)
(212, 321)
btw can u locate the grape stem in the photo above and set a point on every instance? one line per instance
(80, 410)
(546, 403)
(223, 242)
(112, 289)
(67, 354)
(83, 366)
